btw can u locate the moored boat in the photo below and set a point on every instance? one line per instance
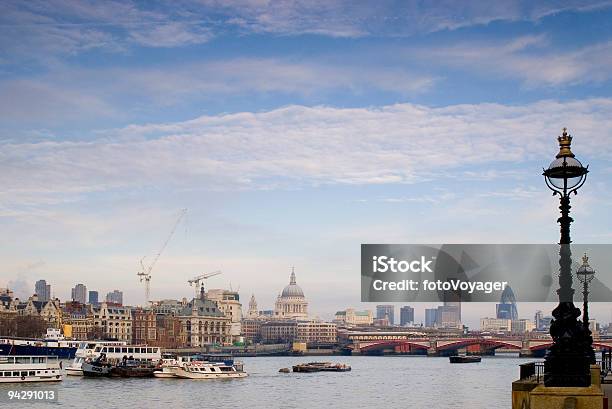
(464, 359)
(114, 351)
(209, 370)
(98, 367)
(30, 369)
(132, 369)
(321, 367)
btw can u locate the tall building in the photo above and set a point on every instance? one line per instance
(406, 315)
(386, 312)
(506, 309)
(291, 303)
(449, 315)
(115, 297)
(79, 293)
(495, 324)
(42, 290)
(431, 316)
(93, 298)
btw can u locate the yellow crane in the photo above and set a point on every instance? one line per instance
(145, 271)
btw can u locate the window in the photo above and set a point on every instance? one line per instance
(7, 374)
(32, 373)
(130, 350)
(15, 373)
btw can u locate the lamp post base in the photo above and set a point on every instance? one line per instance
(568, 361)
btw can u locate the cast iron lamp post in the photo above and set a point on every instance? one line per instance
(586, 274)
(568, 360)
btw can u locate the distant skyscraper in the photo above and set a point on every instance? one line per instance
(42, 290)
(115, 297)
(406, 315)
(506, 309)
(93, 298)
(386, 311)
(79, 293)
(431, 317)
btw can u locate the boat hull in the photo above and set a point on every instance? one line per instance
(464, 359)
(34, 350)
(74, 371)
(95, 371)
(181, 373)
(55, 378)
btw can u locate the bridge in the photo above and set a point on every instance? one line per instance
(408, 343)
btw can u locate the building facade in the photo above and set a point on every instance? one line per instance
(115, 297)
(351, 317)
(94, 298)
(316, 332)
(495, 325)
(203, 323)
(278, 331)
(229, 303)
(77, 320)
(114, 321)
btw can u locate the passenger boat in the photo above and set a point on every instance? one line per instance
(464, 359)
(16, 368)
(53, 344)
(114, 351)
(209, 370)
(321, 367)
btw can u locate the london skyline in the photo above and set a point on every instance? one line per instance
(291, 138)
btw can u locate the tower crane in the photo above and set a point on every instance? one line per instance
(145, 271)
(200, 279)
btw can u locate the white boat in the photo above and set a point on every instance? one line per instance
(87, 350)
(168, 366)
(209, 370)
(114, 351)
(18, 368)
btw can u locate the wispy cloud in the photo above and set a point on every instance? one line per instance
(529, 59)
(300, 146)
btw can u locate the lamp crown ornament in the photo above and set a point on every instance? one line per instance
(565, 143)
(585, 260)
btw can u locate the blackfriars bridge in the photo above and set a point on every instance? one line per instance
(407, 343)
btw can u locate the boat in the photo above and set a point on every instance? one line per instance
(18, 368)
(98, 367)
(52, 344)
(167, 366)
(114, 351)
(321, 367)
(284, 370)
(132, 368)
(209, 370)
(464, 359)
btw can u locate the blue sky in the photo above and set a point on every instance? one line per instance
(293, 132)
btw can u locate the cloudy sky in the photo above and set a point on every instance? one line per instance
(293, 132)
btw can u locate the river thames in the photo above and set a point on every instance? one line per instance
(384, 381)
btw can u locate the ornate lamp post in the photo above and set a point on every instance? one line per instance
(586, 274)
(568, 361)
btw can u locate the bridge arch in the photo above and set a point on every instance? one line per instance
(488, 343)
(373, 346)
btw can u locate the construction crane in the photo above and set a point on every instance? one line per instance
(199, 288)
(145, 273)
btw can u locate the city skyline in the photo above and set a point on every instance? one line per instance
(292, 139)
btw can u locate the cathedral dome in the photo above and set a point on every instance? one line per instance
(292, 290)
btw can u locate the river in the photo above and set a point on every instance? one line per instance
(382, 381)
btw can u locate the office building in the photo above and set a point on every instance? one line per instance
(386, 312)
(115, 297)
(431, 315)
(42, 290)
(79, 293)
(406, 315)
(93, 298)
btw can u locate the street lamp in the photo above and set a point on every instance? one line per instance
(586, 274)
(568, 360)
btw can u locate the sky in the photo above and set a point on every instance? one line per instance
(292, 131)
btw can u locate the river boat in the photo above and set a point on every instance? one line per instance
(464, 359)
(18, 368)
(52, 344)
(114, 351)
(209, 370)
